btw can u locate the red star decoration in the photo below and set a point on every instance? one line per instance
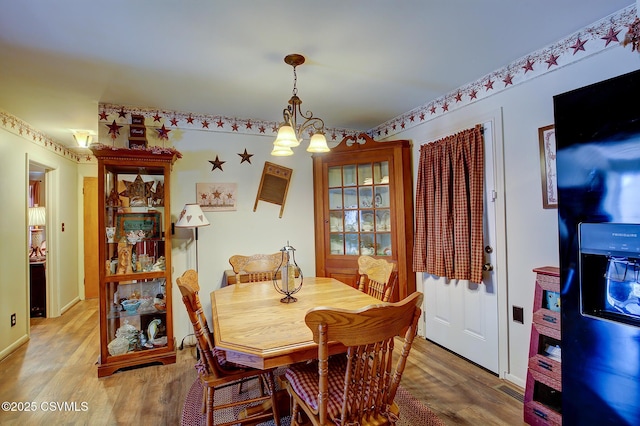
(248, 125)
(394, 126)
(611, 36)
(205, 124)
(163, 132)
(528, 66)
(156, 117)
(334, 136)
(245, 157)
(552, 60)
(489, 84)
(114, 129)
(473, 94)
(220, 123)
(445, 107)
(262, 129)
(432, 109)
(402, 124)
(203, 196)
(234, 127)
(122, 113)
(422, 116)
(508, 80)
(216, 194)
(103, 115)
(217, 164)
(578, 45)
(174, 122)
(190, 119)
(458, 97)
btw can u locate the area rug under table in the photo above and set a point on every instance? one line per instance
(412, 411)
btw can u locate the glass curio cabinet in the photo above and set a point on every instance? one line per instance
(363, 195)
(134, 249)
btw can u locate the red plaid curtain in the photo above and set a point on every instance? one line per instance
(449, 207)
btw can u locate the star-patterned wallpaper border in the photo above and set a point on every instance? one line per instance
(606, 33)
(18, 127)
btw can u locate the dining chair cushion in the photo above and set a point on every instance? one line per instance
(303, 379)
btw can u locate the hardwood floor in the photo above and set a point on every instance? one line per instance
(58, 366)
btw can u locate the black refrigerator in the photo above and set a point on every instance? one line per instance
(597, 130)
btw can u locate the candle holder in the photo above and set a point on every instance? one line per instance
(290, 281)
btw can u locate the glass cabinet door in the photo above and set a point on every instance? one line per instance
(359, 209)
(135, 280)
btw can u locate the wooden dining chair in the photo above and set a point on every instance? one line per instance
(214, 371)
(254, 268)
(377, 277)
(359, 387)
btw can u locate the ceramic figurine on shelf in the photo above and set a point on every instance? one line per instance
(152, 329)
(124, 258)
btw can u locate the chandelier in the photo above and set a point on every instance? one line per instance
(290, 132)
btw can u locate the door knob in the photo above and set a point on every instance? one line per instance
(487, 267)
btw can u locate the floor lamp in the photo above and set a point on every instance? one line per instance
(192, 216)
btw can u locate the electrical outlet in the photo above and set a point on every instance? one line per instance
(518, 314)
(13, 320)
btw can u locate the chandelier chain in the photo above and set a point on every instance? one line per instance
(295, 82)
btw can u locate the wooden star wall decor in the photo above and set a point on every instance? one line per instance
(138, 191)
(245, 157)
(217, 164)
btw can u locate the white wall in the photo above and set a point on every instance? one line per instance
(242, 231)
(15, 153)
(531, 231)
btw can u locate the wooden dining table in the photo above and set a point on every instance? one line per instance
(255, 329)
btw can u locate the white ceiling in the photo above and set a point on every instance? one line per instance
(366, 61)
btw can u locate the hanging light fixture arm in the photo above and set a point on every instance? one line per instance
(291, 113)
(290, 132)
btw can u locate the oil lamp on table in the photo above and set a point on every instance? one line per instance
(290, 281)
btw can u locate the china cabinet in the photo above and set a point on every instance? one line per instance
(363, 196)
(134, 248)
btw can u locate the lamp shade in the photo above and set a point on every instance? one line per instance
(281, 151)
(318, 143)
(36, 216)
(286, 137)
(191, 216)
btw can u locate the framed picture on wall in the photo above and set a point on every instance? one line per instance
(547, 140)
(215, 197)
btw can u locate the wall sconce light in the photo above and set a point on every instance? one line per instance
(83, 138)
(290, 133)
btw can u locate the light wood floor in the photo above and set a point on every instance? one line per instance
(58, 366)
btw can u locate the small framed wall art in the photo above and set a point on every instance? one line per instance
(547, 140)
(217, 197)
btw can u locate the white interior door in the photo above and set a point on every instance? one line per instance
(460, 315)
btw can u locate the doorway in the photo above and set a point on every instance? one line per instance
(461, 316)
(37, 216)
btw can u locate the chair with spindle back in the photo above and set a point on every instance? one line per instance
(376, 277)
(254, 268)
(214, 371)
(359, 387)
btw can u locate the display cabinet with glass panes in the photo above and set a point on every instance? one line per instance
(364, 206)
(134, 251)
